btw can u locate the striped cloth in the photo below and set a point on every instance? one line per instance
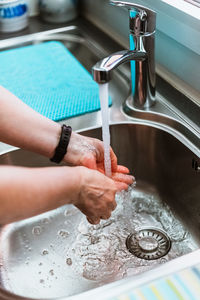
(183, 285)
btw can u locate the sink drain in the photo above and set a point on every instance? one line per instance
(148, 243)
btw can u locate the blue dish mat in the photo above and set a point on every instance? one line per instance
(49, 79)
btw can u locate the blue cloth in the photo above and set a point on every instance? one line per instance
(49, 79)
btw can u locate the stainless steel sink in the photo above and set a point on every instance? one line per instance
(58, 254)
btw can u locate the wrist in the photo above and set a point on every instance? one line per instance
(78, 175)
(72, 184)
(72, 149)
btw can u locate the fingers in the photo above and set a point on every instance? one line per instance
(93, 220)
(122, 169)
(96, 197)
(112, 205)
(128, 179)
(121, 186)
(96, 220)
(106, 216)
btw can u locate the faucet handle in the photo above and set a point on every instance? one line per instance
(142, 19)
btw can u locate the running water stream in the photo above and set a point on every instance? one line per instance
(103, 94)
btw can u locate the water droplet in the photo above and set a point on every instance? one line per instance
(83, 228)
(41, 280)
(39, 272)
(69, 261)
(40, 264)
(45, 252)
(26, 262)
(63, 233)
(45, 221)
(36, 230)
(29, 249)
(51, 272)
(163, 260)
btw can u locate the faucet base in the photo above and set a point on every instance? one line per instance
(130, 108)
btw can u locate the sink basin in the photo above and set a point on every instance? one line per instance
(58, 254)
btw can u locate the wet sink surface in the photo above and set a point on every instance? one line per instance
(59, 254)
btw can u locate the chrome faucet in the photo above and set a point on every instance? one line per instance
(141, 55)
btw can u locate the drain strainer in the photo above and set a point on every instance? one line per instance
(148, 243)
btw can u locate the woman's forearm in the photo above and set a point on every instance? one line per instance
(23, 127)
(25, 192)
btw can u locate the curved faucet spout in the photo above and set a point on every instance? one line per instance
(101, 71)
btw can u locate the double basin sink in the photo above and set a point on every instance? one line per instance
(58, 254)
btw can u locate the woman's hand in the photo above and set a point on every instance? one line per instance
(89, 152)
(96, 197)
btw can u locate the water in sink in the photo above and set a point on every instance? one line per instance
(100, 253)
(59, 254)
(66, 255)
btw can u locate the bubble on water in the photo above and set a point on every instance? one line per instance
(63, 233)
(69, 261)
(36, 230)
(45, 252)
